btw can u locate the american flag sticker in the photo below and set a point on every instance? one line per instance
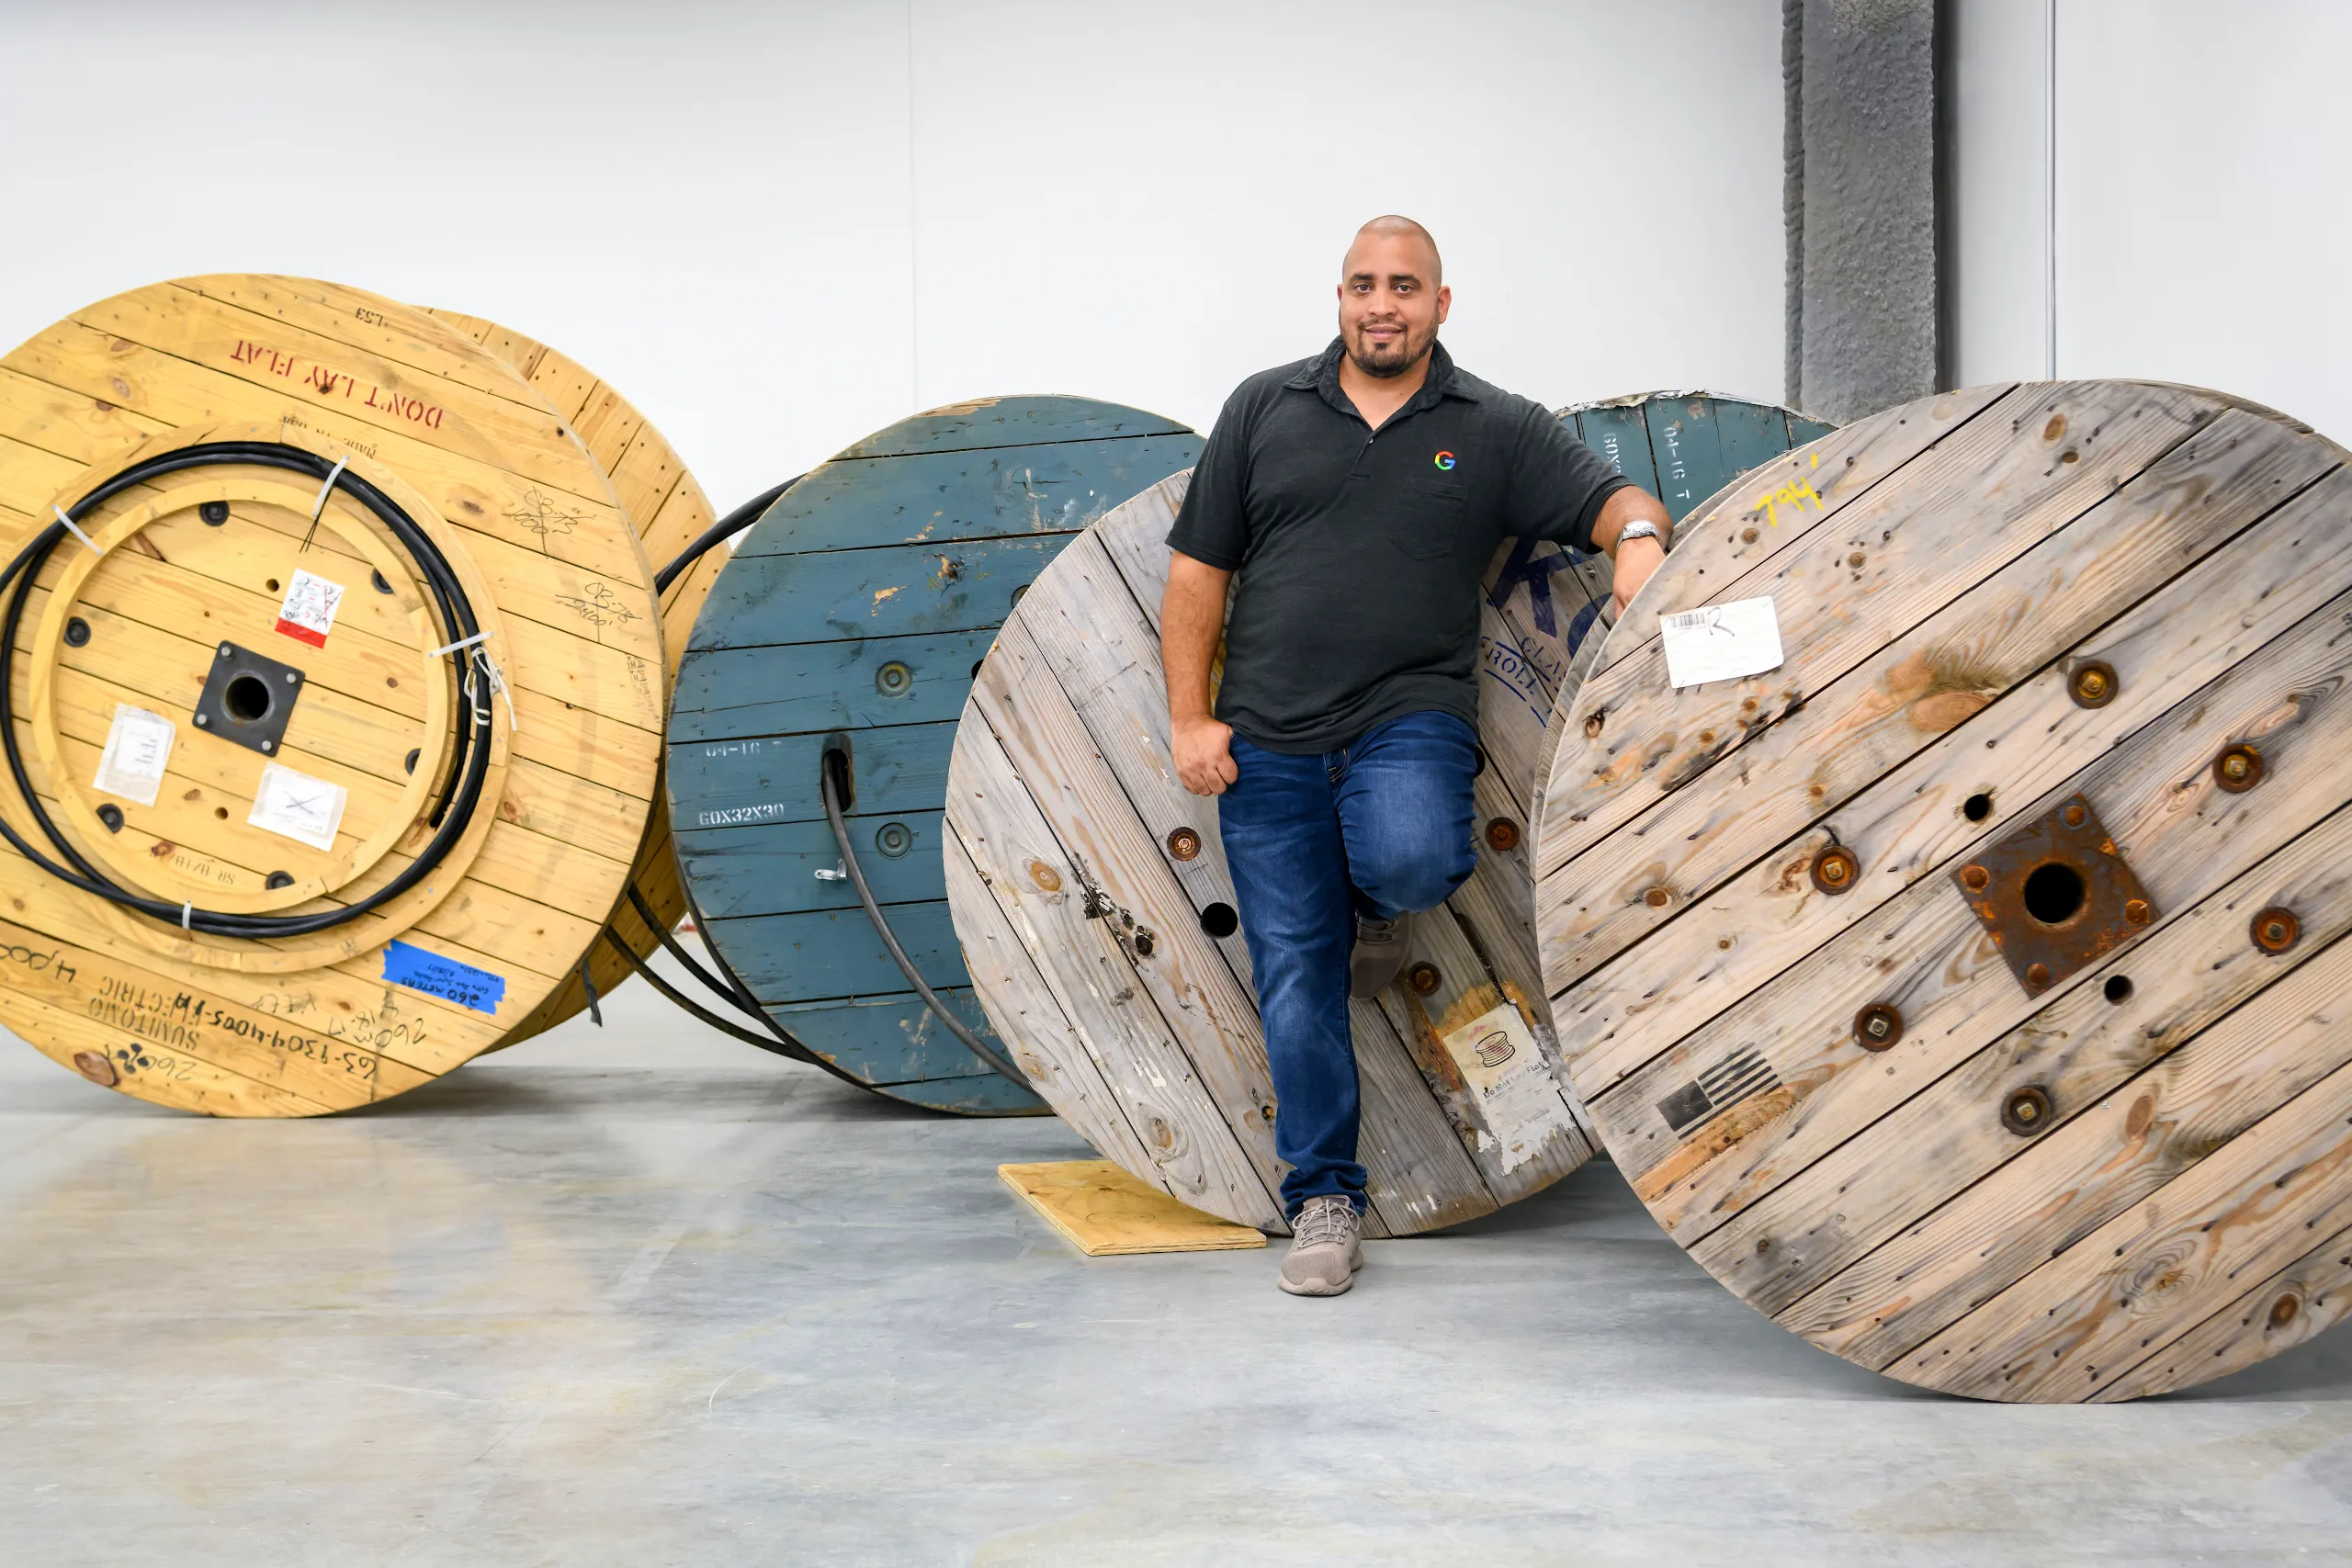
(1743, 1075)
(308, 614)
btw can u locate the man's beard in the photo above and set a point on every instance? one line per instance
(1393, 362)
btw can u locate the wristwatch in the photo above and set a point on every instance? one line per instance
(1640, 528)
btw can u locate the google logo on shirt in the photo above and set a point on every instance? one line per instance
(1445, 460)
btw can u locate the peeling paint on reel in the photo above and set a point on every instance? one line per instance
(860, 606)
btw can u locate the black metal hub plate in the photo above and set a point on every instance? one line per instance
(247, 698)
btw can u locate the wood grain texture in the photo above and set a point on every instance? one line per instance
(861, 603)
(1070, 714)
(1103, 1212)
(1061, 789)
(532, 526)
(2188, 1170)
(661, 502)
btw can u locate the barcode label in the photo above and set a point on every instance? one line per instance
(1720, 642)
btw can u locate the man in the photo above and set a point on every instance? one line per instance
(1360, 495)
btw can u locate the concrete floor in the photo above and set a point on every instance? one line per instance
(650, 1297)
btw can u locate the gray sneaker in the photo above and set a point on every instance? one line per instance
(1379, 953)
(1325, 1249)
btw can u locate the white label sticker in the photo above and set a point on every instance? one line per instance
(297, 806)
(138, 746)
(1518, 1097)
(308, 614)
(1720, 642)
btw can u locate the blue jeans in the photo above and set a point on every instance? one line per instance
(1378, 828)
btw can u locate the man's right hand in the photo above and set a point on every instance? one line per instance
(1203, 749)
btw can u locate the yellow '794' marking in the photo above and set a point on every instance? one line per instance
(1792, 495)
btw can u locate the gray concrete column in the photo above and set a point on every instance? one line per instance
(1861, 203)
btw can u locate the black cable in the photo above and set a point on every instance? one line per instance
(732, 989)
(470, 759)
(588, 983)
(829, 764)
(724, 529)
(784, 1043)
(725, 1027)
(733, 993)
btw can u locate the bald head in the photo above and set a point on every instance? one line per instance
(1394, 226)
(1392, 298)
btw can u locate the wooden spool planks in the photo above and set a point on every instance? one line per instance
(1092, 897)
(1682, 448)
(668, 509)
(863, 601)
(2025, 628)
(1062, 801)
(529, 522)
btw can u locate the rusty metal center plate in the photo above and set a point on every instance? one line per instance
(2055, 894)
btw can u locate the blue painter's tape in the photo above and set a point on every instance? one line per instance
(443, 978)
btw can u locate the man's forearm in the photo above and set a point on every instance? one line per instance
(1191, 614)
(1631, 503)
(1633, 564)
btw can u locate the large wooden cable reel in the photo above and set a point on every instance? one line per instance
(1683, 447)
(859, 607)
(208, 593)
(669, 512)
(1965, 993)
(1092, 899)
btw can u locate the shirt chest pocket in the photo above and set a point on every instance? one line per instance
(1424, 518)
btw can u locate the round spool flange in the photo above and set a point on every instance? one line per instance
(1061, 808)
(861, 604)
(2195, 1162)
(668, 511)
(485, 467)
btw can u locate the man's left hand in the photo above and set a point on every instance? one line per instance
(1636, 559)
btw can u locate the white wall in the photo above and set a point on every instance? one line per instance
(779, 227)
(2204, 196)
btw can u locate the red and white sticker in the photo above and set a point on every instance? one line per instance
(308, 614)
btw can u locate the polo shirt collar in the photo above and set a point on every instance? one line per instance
(1322, 375)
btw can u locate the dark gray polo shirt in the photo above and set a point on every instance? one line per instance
(1360, 552)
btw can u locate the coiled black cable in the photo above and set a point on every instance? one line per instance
(468, 763)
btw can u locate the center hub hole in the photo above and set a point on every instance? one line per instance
(2054, 893)
(247, 699)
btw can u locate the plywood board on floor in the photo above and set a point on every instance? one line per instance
(1103, 1211)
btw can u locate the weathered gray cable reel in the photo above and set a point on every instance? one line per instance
(1964, 991)
(1091, 895)
(1096, 915)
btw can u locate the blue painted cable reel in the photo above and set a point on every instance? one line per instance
(1684, 447)
(857, 610)
(1681, 446)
